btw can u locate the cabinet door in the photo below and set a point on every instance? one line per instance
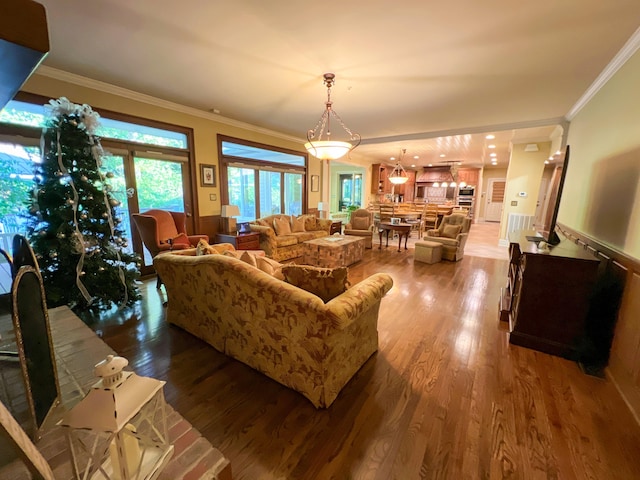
(375, 178)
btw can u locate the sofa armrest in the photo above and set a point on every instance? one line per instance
(350, 305)
(267, 238)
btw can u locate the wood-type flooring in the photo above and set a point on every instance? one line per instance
(445, 397)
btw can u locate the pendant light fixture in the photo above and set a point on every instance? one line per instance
(320, 144)
(398, 175)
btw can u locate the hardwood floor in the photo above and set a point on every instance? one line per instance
(445, 397)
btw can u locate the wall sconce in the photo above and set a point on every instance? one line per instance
(227, 214)
(119, 430)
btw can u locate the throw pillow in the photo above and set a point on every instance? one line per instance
(297, 224)
(202, 248)
(281, 226)
(360, 223)
(326, 283)
(262, 222)
(247, 257)
(270, 266)
(309, 222)
(451, 231)
(181, 241)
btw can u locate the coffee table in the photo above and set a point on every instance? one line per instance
(333, 251)
(403, 229)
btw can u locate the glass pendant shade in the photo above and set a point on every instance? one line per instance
(323, 147)
(328, 149)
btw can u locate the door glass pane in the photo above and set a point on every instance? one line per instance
(159, 185)
(115, 165)
(270, 193)
(293, 193)
(242, 192)
(16, 180)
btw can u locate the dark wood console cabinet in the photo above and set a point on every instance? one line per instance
(547, 296)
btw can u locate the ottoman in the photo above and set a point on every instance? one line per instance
(428, 252)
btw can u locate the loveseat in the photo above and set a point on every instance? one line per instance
(282, 244)
(281, 330)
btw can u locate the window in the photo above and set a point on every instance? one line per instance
(261, 180)
(154, 175)
(34, 115)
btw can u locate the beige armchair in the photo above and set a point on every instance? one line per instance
(452, 234)
(361, 225)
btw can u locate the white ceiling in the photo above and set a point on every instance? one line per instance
(431, 77)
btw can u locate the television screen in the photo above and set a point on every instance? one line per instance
(552, 202)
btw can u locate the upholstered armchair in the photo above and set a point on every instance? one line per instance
(452, 234)
(161, 231)
(361, 225)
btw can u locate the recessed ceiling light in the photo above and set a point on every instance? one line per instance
(490, 137)
(392, 158)
(550, 158)
(442, 155)
(459, 163)
(546, 162)
(491, 146)
(415, 157)
(493, 154)
(413, 166)
(430, 165)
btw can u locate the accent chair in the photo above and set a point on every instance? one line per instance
(361, 225)
(452, 234)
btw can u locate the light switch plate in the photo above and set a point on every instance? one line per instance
(514, 203)
(213, 197)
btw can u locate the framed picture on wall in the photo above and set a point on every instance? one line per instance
(315, 183)
(207, 175)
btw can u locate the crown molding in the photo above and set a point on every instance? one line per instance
(104, 87)
(625, 53)
(466, 131)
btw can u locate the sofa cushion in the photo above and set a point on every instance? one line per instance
(304, 236)
(326, 283)
(297, 225)
(281, 226)
(286, 240)
(270, 266)
(451, 231)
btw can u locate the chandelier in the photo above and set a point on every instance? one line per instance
(324, 147)
(398, 175)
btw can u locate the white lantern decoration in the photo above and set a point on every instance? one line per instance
(119, 430)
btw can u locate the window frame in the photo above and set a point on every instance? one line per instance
(242, 162)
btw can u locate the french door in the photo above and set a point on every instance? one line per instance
(143, 181)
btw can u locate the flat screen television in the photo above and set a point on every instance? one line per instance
(547, 232)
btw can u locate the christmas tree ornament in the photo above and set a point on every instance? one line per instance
(84, 178)
(61, 235)
(114, 202)
(110, 175)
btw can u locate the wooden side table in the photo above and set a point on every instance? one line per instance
(336, 227)
(403, 229)
(241, 241)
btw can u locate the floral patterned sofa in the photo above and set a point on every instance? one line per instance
(281, 330)
(282, 244)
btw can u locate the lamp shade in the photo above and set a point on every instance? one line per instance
(230, 211)
(328, 150)
(323, 206)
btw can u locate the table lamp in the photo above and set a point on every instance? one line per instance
(323, 207)
(227, 214)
